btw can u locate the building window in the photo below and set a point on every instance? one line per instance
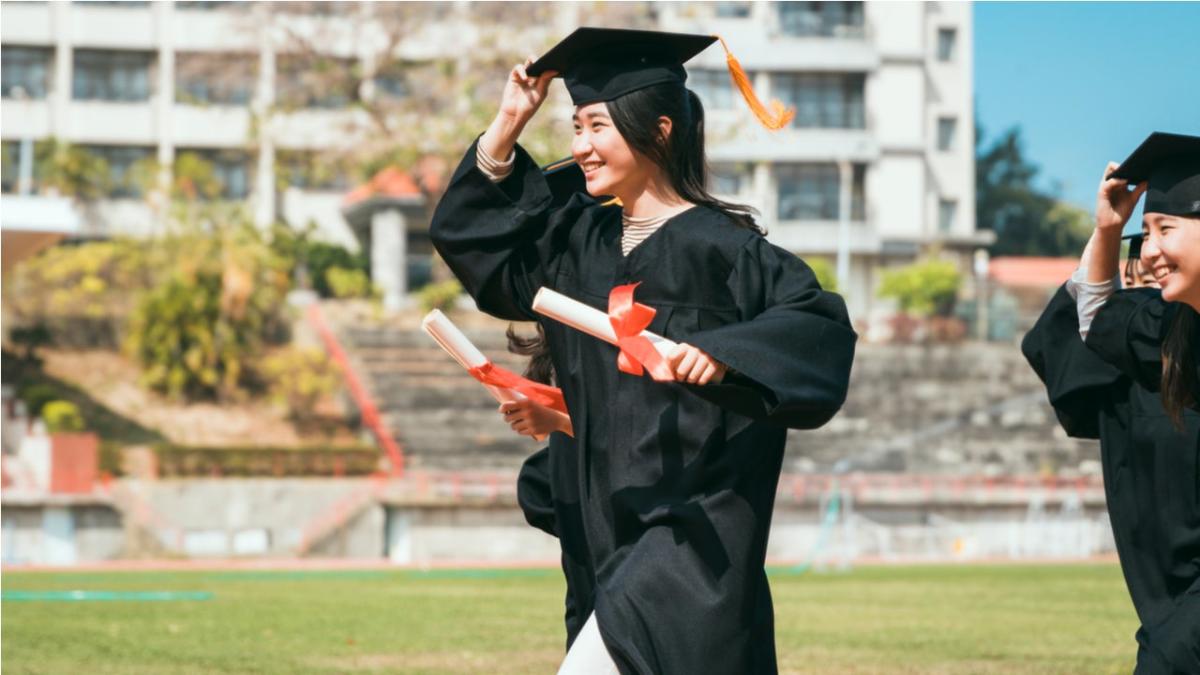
(811, 191)
(714, 88)
(946, 130)
(947, 212)
(106, 75)
(126, 168)
(821, 19)
(25, 71)
(732, 10)
(10, 168)
(823, 100)
(730, 180)
(220, 174)
(392, 82)
(311, 171)
(222, 79)
(946, 43)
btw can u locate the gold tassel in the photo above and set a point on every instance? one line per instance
(774, 119)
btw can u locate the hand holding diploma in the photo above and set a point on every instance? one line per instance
(624, 327)
(504, 385)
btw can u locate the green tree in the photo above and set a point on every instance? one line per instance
(1026, 220)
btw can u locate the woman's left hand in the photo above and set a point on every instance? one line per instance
(693, 366)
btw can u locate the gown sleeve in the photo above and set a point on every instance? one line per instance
(499, 239)
(791, 350)
(533, 492)
(1077, 380)
(1128, 333)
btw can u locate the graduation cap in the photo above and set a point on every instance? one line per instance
(1171, 165)
(601, 64)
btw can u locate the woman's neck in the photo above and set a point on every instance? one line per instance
(655, 199)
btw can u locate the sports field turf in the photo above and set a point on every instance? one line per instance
(914, 619)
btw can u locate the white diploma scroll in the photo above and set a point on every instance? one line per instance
(588, 319)
(460, 348)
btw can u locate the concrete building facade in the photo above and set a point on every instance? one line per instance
(878, 163)
(879, 160)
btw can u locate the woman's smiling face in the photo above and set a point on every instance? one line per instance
(609, 164)
(1171, 252)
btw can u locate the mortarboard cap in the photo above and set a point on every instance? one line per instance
(1170, 163)
(602, 64)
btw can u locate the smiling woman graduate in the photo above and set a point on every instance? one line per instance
(1115, 387)
(676, 473)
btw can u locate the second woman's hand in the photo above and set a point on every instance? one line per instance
(1114, 201)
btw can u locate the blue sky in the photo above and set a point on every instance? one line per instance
(1086, 81)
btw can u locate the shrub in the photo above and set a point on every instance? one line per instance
(197, 333)
(36, 396)
(826, 275)
(299, 378)
(344, 283)
(62, 416)
(81, 295)
(297, 250)
(924, 288)
(440, 295)
(176, 461)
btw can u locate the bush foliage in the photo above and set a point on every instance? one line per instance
(197, 333)
(299, 378)
(62, 416)
(178, 461)
(923, 288)
(441, 295)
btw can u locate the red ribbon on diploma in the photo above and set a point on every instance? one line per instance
(542, 394)
(629, 319)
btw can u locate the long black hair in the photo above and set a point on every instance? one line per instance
(540, 367)
(681, 154)
(1180, 378)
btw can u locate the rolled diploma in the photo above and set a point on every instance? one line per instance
(461, 349)
(587, 319)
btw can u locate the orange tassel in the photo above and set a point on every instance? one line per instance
(774, 119)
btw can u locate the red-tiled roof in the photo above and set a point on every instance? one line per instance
(1030, 271)
(389, 182)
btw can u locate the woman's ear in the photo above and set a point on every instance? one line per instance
(664, 128)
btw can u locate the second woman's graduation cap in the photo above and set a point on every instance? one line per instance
(602, 64)
(1171, 165)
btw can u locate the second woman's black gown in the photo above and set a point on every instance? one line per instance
(676, 482)
(1107, 389)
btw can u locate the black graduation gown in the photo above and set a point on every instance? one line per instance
(677, 482)
(1150, 467)
(547, 491)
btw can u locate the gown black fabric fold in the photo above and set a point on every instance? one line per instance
(1151, 483)
(676, 482)
(547, 494)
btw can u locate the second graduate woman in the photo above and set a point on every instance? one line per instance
(1149, 453)
(677, 475)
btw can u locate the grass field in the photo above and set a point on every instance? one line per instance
(916, 619)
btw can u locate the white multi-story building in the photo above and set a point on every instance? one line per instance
(884, 127)
(883, 133)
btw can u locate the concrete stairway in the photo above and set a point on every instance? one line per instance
(967, 409)
(441, 416)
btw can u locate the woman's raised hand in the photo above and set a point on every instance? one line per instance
(523, 95)
(1114, 201)
(693, 366)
